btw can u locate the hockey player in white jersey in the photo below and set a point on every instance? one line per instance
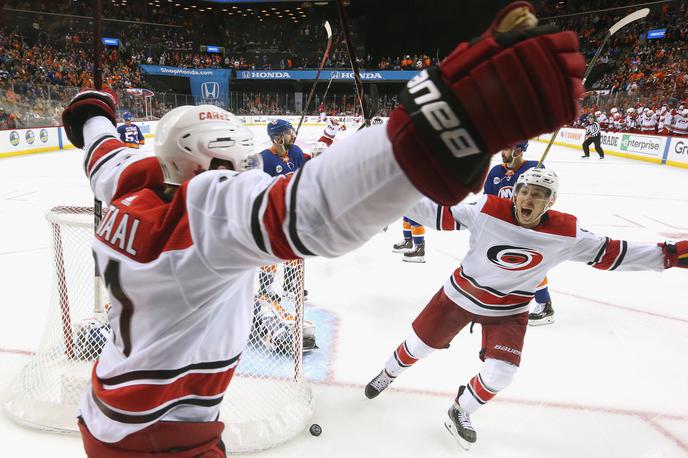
(186, 228)
(333, 126)
(513, 244)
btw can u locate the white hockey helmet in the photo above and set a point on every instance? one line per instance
(613, 110)
(545, 178)
(649, 112)
(598, 113)
(189, 137)
(630, 110)
(684, 112)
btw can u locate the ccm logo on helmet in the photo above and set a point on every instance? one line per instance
(211, 115)
(441, 116)
(513, 258)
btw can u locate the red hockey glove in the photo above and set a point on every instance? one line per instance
(675, 254)
(500, 89)
(84, 106)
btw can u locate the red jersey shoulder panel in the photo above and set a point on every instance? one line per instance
(558, 223)
(142, 174)
(141, 225)
(500, 208)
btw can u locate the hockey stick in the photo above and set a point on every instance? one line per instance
(317, 75)
(634, 16)
(358, 83)
(324, 99)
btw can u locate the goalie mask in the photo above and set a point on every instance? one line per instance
(188, 138)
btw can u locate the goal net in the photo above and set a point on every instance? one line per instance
(268, 401)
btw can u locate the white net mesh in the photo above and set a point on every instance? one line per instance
(268, 400)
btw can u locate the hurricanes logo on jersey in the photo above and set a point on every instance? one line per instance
(514, 258)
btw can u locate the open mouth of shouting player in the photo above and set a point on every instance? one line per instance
(530, 203)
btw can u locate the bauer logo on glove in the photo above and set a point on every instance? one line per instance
(428, 104)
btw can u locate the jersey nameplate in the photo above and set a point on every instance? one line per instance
(119, 231)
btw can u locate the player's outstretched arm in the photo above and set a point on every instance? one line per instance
(444, 218)
(605, 253)
(90, 123)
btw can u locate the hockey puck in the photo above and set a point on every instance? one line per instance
(315, 429)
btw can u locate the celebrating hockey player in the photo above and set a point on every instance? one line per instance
(500, 182)
(186, 229)
(333, 126)
(130, 133)
(513, 244)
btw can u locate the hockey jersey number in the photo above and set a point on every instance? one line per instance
(112, 282)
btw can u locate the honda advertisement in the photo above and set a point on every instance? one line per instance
(208, 85)
(336, 75)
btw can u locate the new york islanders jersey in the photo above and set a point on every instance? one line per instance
(505, 263)
(130, 133)
(275, 165)
(180, 269)
(501, 180)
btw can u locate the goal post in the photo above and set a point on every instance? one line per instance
(268, 401)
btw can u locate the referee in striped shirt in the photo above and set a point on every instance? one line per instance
(592, 135)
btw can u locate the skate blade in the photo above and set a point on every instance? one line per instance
(417, 260)
(455, 434)
(401, 250)
(542, 322)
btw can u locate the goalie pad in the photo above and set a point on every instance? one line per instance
(274, 324)
(90, 338)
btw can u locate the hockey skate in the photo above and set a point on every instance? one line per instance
(459, 424)
(415, 255)
(544, 316)
(378, 384)
(403, 247)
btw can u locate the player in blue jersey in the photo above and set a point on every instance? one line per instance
(283, 156)
(130, 133)
(413, 245)
(500, 182)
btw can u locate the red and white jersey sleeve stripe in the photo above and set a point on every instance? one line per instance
(106, 157)
(329, 207)
(605, 253)
(443, 218)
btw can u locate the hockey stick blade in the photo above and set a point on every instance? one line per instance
(328, 28)
(634, 16)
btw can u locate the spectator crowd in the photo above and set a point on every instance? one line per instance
(45, 50)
